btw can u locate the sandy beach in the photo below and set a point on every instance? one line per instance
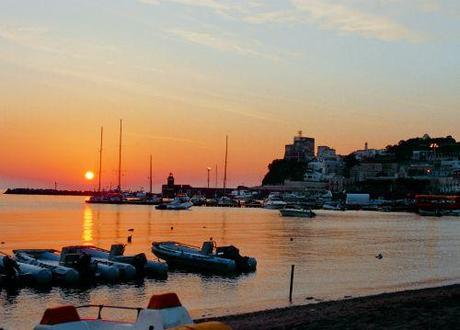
(416, 309)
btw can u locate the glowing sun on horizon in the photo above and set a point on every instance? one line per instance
(89, 175)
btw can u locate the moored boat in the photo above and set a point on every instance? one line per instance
(15, 272)
(107, 198)
(48, 259)
(105, 269)
(297, 212)
(164, 311)
(274, 204)
(209, 258)
(139, 261)
(178, 203)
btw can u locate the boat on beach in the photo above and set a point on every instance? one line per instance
(51, 260)
(297, 212)
(209, 258)
(164, 311)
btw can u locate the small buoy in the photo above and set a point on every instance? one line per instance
(291, 239)
(130, 238)
(172, 227)
(131, 229)
(3, 242)
(204, 226)
(379, 256)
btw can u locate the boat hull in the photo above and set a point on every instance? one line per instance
(194, 261)
(45, 260)
(297, 213)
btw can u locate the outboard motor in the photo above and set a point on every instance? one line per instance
(10, 269)
(243, 264)
(138, 261)
(81, 262)
(207, 247)
(117, 250)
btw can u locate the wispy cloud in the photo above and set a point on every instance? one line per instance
(223, 42)
(346, 17)
(219, 6)
(28, 36)
(172, 139)
(349, 20)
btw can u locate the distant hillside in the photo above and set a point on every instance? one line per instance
(33, 191)
(443, 146)
(280, 170)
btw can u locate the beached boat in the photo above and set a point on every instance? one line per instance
(139, 261)
(48, 259)
(209, 258)
(105, 269)
(297, 212)
(164, 311)
(14, 272)
(178, 203)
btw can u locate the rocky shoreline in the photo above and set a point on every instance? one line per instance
(414, 309)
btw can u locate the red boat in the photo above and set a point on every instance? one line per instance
(437, 204)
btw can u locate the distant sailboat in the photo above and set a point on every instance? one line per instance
(110, 197)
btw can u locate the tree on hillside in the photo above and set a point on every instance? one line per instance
(280, 170)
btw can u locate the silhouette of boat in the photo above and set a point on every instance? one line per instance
(209, 258)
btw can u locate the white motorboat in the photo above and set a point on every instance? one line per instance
(274, 204)
(297, 212)
(333, 206)
(164, 311)
(178, 203)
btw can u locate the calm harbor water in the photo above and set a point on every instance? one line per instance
(334, 253)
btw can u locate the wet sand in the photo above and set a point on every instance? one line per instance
(416, 309)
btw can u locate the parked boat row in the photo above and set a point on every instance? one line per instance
(83, 264)
(77, 264)
(164, 311)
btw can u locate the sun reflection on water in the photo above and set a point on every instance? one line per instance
(87, 233)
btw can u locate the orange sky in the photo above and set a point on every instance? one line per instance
(183, 74)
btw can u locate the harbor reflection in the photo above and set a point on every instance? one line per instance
(88, 224)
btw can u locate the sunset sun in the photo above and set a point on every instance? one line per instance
(89, 175)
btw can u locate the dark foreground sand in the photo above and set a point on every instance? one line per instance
(436, 308)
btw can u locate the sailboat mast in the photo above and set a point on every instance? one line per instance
(225, 164)
(100, 162)
(150, 178)
(119, 156)
(216, 177)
